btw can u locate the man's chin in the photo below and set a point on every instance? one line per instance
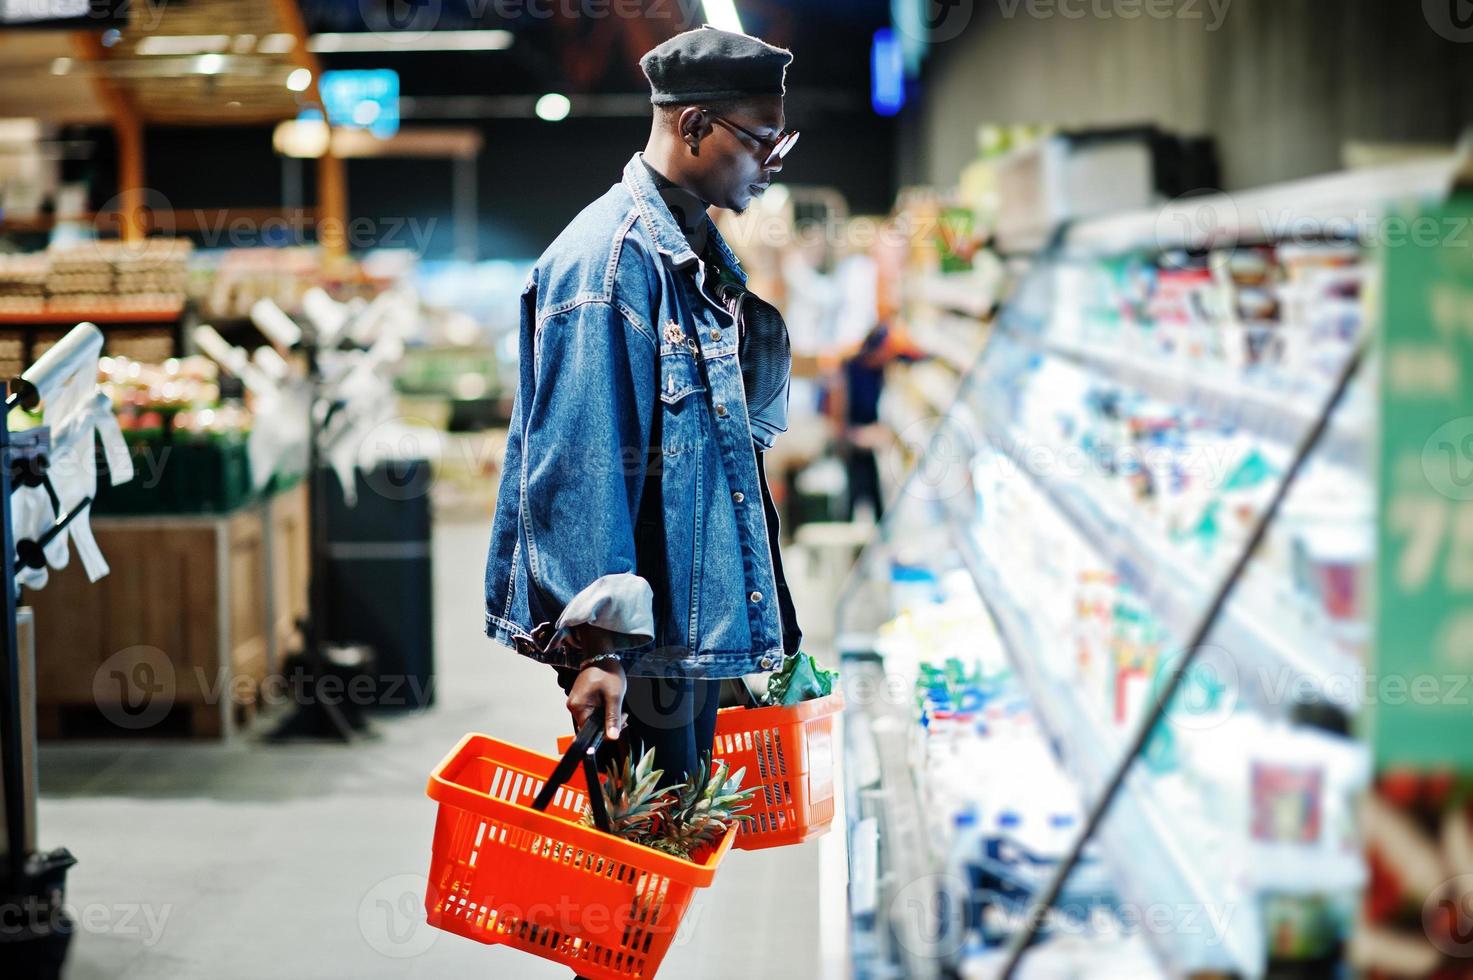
(737, 203)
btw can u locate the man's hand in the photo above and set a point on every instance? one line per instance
(598, 689)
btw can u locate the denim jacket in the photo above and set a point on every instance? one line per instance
(632, 496)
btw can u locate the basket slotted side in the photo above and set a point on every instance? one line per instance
(788, 752)
(503, 873)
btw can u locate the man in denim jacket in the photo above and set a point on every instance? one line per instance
(634, 546)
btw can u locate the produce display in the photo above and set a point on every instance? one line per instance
(189, 445)
(226, 283)
(97, 277)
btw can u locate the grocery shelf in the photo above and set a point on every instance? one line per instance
(1176, 589)
(956, 341)
(1342, 203)
(1178, 837)
(960, 292)
(926, 401)
(102, 318)
(885, 806)
(1268, 412)
(1089, 751)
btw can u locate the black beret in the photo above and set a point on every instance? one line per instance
(708, 64)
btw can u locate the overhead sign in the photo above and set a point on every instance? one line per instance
(365, 99)
(887, 73)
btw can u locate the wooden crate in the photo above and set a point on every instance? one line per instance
(287, 567)
(179, 634)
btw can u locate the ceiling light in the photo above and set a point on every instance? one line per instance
(553, 107)
(276, 44)
(373, 41)
(183, 43)
(210, 64)
(723, 14)
(60, 66)
(301, 138)
(299, 80)
(19, 130)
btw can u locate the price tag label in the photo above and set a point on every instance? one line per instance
(1420, 699)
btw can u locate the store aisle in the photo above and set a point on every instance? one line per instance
(307, 862)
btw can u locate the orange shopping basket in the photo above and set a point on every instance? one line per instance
(513, 864)
(789, 750)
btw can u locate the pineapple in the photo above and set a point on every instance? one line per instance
(702, 811)
(636, 808)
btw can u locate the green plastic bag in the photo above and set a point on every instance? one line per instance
(800, 679)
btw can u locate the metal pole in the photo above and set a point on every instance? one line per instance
(466, 215)
(1019, 946)
(16, 831)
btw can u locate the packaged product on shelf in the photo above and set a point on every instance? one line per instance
(956, 239)
(1290, 792)
(1092, 627)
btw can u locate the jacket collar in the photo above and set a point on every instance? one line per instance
(669, 239)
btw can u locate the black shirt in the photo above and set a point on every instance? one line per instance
(689, 213)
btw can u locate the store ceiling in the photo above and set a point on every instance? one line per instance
(212, 62)
(177, 62)
(238, 76)
(28, 86)
(583, 47)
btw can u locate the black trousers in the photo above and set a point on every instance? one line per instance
(864, 480)
(676, 716)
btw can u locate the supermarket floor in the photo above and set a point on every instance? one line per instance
(307, 862)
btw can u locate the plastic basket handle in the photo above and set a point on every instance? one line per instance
(736, 692)
(585, 744)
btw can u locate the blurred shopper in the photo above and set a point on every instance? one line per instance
(634, 546)
(855, 406)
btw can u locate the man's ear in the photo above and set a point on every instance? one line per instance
(693, 127)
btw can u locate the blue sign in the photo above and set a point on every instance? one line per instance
(887, 73)
(366, 99)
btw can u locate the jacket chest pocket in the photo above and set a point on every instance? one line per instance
(682, 400)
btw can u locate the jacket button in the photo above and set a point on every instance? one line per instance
(738, 496)
(721, 410)
(766, 663)
(755, 597)
(715, 334)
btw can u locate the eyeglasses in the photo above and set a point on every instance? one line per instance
(777, 147)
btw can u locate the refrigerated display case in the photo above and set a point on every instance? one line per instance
(1144, 392)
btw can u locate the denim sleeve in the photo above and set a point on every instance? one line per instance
(588, 431)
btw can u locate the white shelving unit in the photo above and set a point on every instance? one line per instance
(1175, 588)
(1151, 846)
(1088, 750)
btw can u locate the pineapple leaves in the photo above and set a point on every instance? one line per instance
(678, 820)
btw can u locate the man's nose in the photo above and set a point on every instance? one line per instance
(774, 168)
